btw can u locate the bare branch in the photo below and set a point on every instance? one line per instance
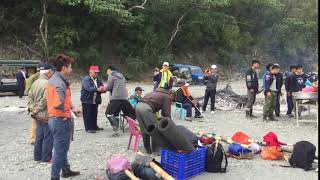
(139, 6)
(178, 28)
(26, 46)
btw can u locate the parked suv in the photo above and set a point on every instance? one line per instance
(183, 72)
(8, 82)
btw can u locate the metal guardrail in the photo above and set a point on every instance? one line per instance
(19, 63)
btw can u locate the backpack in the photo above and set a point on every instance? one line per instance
(215, 155)
(303, 155)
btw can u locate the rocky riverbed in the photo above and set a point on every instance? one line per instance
(89, 152)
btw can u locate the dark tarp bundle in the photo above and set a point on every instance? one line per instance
(169, 130)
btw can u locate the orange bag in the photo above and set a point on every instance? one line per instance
(272, 153)
(241, 138)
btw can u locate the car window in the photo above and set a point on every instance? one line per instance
(196, 71)
(174, 71)
(183, 69)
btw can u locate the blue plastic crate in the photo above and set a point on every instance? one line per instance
(184, 166)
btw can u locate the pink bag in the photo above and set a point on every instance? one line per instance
(118, 164)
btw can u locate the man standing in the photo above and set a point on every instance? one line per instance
(21, 80)
(289, 86)
(164, 78)
(267, 71)
(211, 79)
(184, 97)
(91, 90)
(279, 78)
(298, 84)
(298, 79)
(38, 107)
(59, 110)
(116, 84)
(252, 87)
(136, 97)
(270, 93)
(146, 109)
(29, 83)
(156, 74)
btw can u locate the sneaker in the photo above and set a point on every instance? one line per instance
(202, 111)
(45, 163)
(99, 129)
(290, 116)
(91, 131)
(188, 119)
(212, 112)
(278, 115)
(264, 119)
(198, 116)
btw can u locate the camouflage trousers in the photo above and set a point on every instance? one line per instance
(269, 104)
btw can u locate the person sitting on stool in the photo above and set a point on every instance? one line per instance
(184, 97)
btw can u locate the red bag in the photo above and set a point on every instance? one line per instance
(309, 89)
(271, 139)
(241, 138)
(271, 153)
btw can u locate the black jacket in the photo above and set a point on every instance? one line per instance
(211, 81)
(298, 82)
(289, 82)
(279, 84)
(252, 80)
(181, 98)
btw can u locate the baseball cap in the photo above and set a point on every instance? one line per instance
(46, 66)
(138, 89)
(112, 68)
(214, 67)
(94, 68)
(165, 64)
(39, 66)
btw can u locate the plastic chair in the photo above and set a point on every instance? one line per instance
(182, 112)
(134, 131)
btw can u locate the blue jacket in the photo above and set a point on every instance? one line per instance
(88, 90)
(134, 99)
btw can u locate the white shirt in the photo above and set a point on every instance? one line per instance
(273, 86)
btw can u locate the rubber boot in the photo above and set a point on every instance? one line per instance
(67, 172)
(271, 118)
(264, 118)
(247, 113)
(251, 115)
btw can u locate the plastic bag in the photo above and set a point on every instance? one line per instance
(272, 153)
(241, 138)
(118, 164)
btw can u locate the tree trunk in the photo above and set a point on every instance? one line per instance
(44, 29)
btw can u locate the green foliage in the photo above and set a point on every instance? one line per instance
(91, 29)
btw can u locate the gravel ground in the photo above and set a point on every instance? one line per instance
(88, 152)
